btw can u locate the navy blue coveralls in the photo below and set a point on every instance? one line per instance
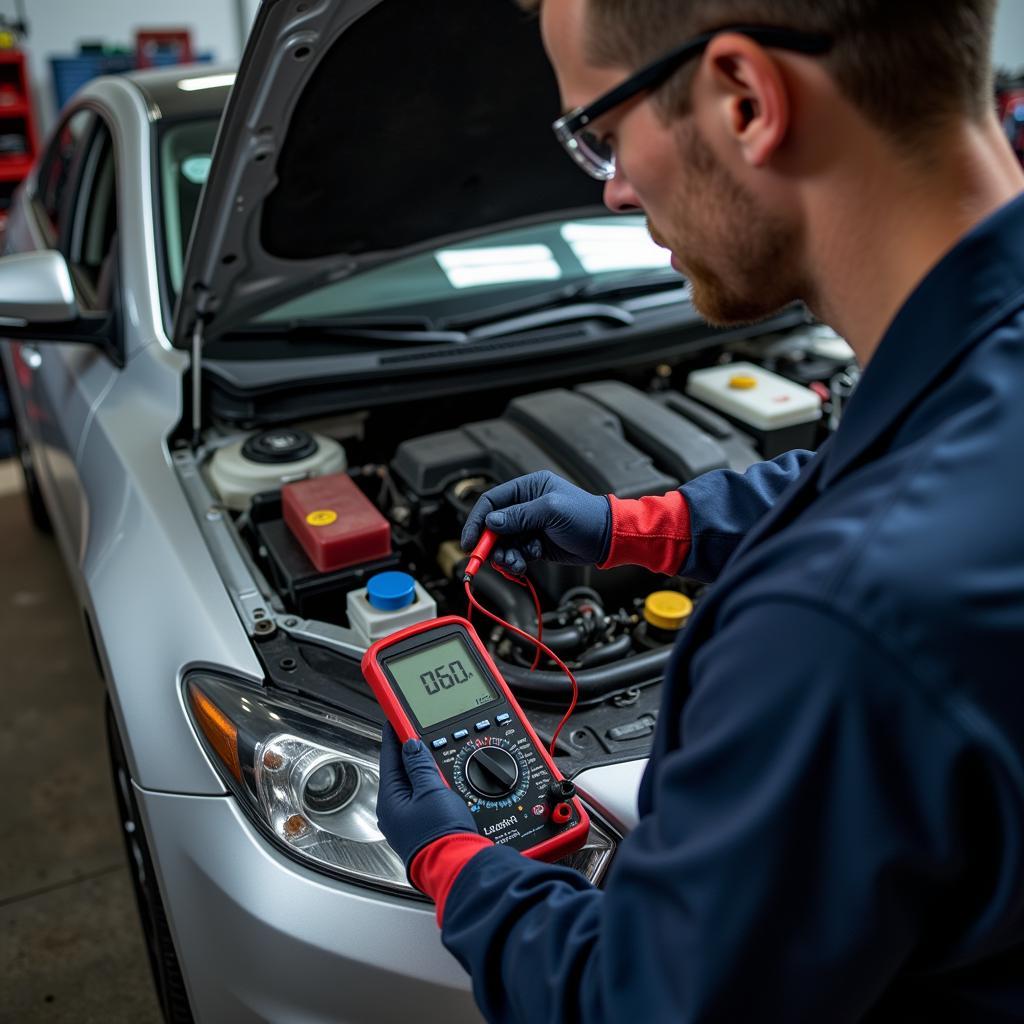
(832, 820)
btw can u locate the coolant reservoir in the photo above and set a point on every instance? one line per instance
(269, 460)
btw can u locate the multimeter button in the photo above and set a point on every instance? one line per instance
(439, 743)
(460, 734)
(492, 772)
(503, 718)
(485, 724)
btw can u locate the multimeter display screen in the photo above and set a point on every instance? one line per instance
(441, 682)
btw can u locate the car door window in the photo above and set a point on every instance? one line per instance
(91, 248)
(52, 193)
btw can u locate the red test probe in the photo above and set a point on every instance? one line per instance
(477, 558)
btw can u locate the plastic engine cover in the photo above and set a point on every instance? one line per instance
(335, 523)
(567, 432)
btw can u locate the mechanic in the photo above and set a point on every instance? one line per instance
(832, 820)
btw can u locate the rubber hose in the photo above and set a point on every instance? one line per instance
(562, 641)
(613, 651)
(514, 605)
(595, 683)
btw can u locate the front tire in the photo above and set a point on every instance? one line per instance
(163, 960)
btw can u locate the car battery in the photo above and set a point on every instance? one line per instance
(779, 414)
(335, 523)
(307, 592)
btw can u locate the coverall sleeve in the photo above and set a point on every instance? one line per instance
(725, 505)
(798, 841)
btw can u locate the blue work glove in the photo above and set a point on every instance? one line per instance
(414, 806)
(542, 516)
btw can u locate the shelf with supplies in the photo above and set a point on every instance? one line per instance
(18, 138)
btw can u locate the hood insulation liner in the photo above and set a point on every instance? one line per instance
(424, 119)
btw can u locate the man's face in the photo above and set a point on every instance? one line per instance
(740, 257)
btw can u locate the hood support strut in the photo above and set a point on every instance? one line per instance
(197, 380)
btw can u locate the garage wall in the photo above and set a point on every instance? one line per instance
(57, 26)
(1010, 35)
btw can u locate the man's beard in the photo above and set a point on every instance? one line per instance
(717, 219)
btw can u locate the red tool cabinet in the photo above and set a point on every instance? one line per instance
(18, 139)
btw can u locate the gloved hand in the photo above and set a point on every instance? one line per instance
(542, 516)
(414, 806)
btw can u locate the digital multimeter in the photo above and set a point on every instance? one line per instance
(436, 682)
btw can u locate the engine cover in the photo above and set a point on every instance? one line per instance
(607, 437)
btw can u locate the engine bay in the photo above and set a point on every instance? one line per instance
(321, 510)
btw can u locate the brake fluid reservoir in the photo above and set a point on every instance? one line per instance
(389, 602)
(269, 460)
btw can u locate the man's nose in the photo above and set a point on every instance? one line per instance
(619, 196)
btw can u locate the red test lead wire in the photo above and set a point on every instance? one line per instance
(474, 603)
(526, 582)
(477, 558)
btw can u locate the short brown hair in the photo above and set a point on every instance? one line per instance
(908, 64)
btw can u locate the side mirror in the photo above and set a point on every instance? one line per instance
(36, 288)
(38, 304)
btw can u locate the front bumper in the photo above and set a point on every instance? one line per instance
(260, 938)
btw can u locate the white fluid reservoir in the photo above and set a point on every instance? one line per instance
(390, 601)
(269, 460)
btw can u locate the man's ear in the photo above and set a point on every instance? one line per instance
(751, 93)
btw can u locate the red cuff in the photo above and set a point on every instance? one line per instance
(652, 532)
(435, 868)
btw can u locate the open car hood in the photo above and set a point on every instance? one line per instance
(362, 131)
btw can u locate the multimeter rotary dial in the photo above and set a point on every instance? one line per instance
(492, 772)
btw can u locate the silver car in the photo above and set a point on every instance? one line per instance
(364, 259)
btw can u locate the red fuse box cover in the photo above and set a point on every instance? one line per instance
(335, 523)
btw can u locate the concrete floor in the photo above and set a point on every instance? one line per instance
(71, 946)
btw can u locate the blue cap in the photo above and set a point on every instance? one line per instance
(391, 591)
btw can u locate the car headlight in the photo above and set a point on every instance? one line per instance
(308, 776)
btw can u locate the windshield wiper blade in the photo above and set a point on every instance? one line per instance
(665, 279)
(412, 330)
(553, 317)
(617, 288)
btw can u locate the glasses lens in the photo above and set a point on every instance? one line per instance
(599, 157)
(595, 156)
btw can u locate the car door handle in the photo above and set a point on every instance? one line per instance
(31, 356)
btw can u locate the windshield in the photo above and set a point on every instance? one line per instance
(459, 278)
(450, 280)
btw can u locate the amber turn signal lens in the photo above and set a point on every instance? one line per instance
(219, 731)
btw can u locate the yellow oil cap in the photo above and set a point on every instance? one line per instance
(665, 609)
(743, 383)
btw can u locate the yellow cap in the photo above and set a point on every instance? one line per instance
(743, 383)
(665, 609)
(322, 517)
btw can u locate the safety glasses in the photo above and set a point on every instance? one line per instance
(589, 149)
